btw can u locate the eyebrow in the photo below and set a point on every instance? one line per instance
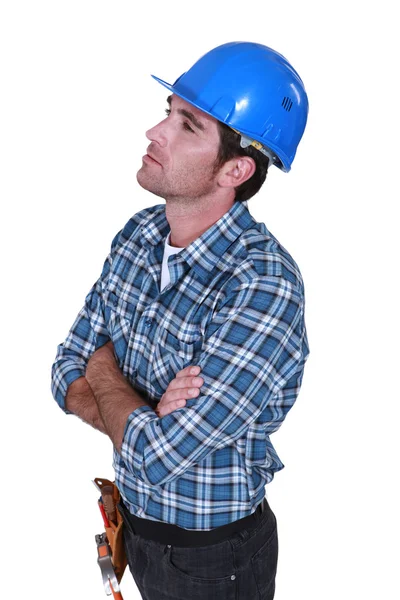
(189, 115)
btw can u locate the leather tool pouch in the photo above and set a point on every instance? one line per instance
(115, 533)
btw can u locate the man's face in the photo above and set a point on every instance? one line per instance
(180, 159)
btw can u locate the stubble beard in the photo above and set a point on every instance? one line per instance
(148, 183)
(184, 194)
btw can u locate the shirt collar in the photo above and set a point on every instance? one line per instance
(205, 251)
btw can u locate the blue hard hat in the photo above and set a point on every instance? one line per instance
(255, 91)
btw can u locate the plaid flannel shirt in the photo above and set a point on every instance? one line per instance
(235, 307)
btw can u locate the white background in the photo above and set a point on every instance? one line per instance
(76, 98)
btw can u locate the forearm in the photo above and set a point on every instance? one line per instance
(115, 399)
(81, 401)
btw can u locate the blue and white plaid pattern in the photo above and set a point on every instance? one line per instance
(235, 307)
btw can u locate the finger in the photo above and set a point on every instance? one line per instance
(174, 395)
(165, 409)
(190, 370)
(171, 396)
(185, 381)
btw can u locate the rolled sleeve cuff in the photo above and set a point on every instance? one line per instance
(135, 439)
(62, 387)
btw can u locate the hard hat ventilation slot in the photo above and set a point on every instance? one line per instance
(287, 103)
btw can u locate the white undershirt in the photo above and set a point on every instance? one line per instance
(168, 251)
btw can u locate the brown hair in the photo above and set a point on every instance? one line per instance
(229, 147)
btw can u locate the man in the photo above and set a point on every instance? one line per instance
(197, 282)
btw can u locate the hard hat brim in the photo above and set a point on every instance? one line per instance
(164, 83)
(285, 166)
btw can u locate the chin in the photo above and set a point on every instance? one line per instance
(142, 179)
(147, 184)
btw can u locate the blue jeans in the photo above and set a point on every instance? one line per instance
(242, 567)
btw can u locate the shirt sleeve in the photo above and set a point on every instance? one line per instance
(89, 330)
(252, 362)
(87, 333)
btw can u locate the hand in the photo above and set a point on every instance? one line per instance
(178, 391)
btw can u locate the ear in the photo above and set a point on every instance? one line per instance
(236, 171)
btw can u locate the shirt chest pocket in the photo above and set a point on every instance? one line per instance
(171, 355)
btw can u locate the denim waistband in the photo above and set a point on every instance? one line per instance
(167, 533)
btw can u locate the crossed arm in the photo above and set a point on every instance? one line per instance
(104, 398)
(252, 362)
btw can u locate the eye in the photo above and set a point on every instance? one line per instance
(185, 125)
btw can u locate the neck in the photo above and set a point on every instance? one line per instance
(189, 219)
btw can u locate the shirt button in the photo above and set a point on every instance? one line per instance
(233, 577)
(134, 373)
(148, 323)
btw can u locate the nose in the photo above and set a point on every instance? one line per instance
(158, 134)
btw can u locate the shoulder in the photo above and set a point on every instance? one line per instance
(258, 268)
(269, 258)
(135, 223)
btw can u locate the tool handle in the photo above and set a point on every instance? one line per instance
(108, 502)
(116, 595)
(103, 514)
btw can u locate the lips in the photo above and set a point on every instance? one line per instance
(153, 158)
